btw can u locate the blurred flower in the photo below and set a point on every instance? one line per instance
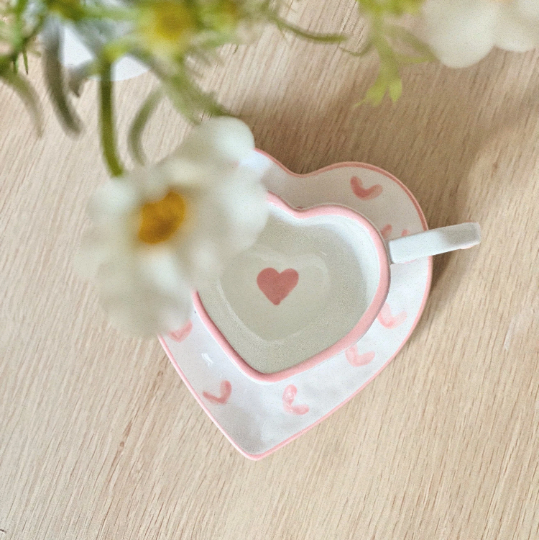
(160, 231)
(166, 27)
(462, 32)
(170, 29)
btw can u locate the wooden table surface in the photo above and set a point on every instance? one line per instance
(99, 438)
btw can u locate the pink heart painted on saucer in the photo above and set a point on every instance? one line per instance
(386, 231)
(387, 320)
(355, 359)
(365, 194)
(180, 334)
(226, 391)
(289, 395)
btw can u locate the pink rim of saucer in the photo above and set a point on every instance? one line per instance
(360, 328)
(205, 408)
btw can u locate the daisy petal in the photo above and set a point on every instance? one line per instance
(528, 9)
(112, 199)
(223, 139)
(160, 268)
(460, 32)
(250, 213)
(185, 172)
(92, 253)
(515, 32)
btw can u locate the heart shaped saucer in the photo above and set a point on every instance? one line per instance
(260, 417)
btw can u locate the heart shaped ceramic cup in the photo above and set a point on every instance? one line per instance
(310, 287)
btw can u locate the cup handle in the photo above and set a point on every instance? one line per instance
(433, 242)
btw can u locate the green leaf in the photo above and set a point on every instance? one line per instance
(395, 89)
(388, 40)
(375, 94)
(139, 123)
(26, 93)
(54, 76)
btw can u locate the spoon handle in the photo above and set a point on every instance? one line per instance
(434, 242)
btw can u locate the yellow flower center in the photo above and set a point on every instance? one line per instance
(160, 220)
(167, 24)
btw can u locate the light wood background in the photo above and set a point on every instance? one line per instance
(99, 438)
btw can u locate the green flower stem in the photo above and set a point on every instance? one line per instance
(108, 140)
(25, 91)
(117, 48)
(305, 34)
(54, 76)
(139, 123)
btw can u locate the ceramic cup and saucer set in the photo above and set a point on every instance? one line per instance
(325, 299)
(303, 320)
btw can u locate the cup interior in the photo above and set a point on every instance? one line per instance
(311, 285)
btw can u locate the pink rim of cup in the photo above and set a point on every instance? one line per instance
(346, 341)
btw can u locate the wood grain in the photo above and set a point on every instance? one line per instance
(99, 439)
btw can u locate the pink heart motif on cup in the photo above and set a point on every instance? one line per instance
(277, 286)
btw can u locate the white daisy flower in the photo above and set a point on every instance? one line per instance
(462, 32)
(163, 230)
